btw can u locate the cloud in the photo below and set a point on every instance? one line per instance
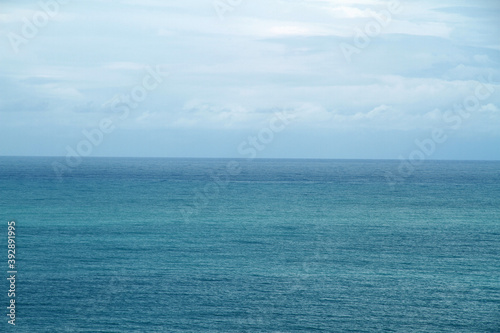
(265, 56)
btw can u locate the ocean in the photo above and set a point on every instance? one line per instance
(220, 245)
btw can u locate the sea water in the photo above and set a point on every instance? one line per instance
(216, 245)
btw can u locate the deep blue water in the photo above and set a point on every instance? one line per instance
(200, 245)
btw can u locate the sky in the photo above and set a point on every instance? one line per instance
(367, 79)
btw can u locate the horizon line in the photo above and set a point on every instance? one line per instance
(256, 158)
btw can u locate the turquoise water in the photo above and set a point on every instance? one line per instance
(200, 245)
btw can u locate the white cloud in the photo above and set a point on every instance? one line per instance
(265, 56)
(125, 65)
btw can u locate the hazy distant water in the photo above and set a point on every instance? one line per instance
(283, 246)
